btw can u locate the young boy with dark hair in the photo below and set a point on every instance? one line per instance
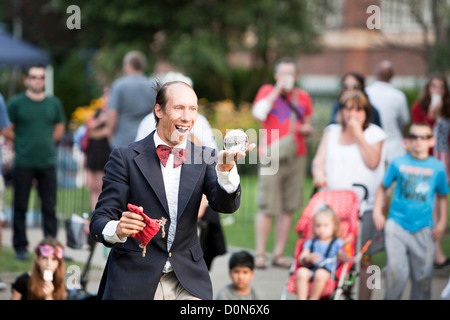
(241, 265)
(410, 232)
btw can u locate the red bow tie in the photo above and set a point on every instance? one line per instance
(180, 155)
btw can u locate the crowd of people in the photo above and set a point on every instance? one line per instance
(365, 143)
(406, 173)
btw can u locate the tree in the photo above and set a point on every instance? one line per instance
(199, 36)
(438, 54)
(433, 17)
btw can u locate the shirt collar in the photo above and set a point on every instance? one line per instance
(159, 141)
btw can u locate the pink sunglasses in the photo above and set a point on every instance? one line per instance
(48, 250)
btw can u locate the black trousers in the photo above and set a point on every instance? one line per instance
(46, 187)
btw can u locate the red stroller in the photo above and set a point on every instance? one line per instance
(345, 203)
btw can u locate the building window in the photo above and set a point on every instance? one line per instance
(405, 15)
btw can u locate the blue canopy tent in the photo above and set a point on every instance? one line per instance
(17, 53)
(14, 52)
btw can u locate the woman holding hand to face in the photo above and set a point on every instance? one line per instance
(352, 152)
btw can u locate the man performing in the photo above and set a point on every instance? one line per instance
(173, 266)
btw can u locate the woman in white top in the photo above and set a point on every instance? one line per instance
(353, 152)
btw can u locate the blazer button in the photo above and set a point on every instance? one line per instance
(170, 254)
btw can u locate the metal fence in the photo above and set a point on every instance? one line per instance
(72, 195)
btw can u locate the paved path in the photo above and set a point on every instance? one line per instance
(268, 282)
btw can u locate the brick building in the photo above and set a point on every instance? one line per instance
(357, 34)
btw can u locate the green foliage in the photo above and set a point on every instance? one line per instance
(107, 61)
(438, 58)
(74, 84)
(196, 36)
(245, 83)
(206, 39)
(412, 94)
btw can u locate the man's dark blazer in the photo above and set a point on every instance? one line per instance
(133, 175)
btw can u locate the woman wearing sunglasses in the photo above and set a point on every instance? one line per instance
(353, 81)
(46, 279)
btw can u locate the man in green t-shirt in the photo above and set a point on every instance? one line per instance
(38, 122)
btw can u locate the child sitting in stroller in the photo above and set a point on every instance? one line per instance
(319, 255)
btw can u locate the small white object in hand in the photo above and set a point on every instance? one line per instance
(235, 140)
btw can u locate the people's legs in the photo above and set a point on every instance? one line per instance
(269, 203)
(302, 278)
(97, 186)
(440, 259)
(47, 192)
(169, 288)
(292, 175)
(320, 279)
(282, 229)
(2, 194)
(397, 266)
(22, 180)
(365, 293)
(368, 232)
(421, 257)
(263, 224)
(94, 183)
(89, 185)
(166, 287)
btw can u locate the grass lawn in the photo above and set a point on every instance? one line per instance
(10, 265)
(241, 233)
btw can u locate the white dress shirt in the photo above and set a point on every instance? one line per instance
(229, 181)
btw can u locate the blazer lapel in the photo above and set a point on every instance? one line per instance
(148, 162)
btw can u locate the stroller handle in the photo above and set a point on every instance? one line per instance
(366, 192)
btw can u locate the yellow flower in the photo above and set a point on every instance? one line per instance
(83, 113)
